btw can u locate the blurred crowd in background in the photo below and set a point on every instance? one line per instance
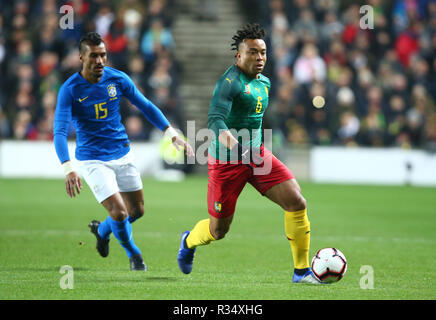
(379, 84)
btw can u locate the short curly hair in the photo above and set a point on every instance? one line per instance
(249, 31)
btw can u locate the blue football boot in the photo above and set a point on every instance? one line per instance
(307, 277)
(185, 257)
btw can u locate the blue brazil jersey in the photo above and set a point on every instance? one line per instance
(94, 109)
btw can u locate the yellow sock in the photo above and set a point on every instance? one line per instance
(297, 228)
(200, 235)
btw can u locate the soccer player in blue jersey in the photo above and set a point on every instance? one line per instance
(91, 100)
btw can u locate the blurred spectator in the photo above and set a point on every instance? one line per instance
(422, 107)
(331, 28)
(160, 78)
(24, 99)
(70, 63)
(4, 124)
(396, 119)
(22, 125)
(430, 133)
(159, 10)
(135, 128)
(407, 44)
(298, 134)
(309, 66)
(168, 104)
(294, 8)
(136, 70)
(155, 40)
(116, 44)
(306, 27)
(46, 63)
(133, 12)
(348, 129)
(373, 127)
(103, 20)
(319, 131)
(207, 9)
(342, 116)
(43, 129)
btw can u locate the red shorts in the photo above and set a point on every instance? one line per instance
(226, 181)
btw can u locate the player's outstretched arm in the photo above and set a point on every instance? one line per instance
(178, 141)
(73, 183)
(62, 120)
(153, 114)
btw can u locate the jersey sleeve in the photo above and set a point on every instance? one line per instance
(61, 125)
(148, 109)
(225, 91)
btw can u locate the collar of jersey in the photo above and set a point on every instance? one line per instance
(82, 79)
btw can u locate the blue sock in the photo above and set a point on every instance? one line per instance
(122, 230)
(132, 219)
(105, 229)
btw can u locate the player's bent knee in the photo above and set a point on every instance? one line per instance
(219, 233)
(118, 214)
(138, 211)
(295, 204)
(219, 227)
(116, 208)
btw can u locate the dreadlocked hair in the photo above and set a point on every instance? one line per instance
(249, 31)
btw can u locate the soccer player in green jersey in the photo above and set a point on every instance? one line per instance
(239, 101)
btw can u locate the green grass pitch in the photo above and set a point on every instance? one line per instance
(390, 229)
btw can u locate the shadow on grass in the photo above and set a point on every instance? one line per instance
(128, 277)
(166, 279)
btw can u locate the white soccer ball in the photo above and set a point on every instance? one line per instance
(329, 265)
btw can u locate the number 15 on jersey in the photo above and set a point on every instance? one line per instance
(100, 112)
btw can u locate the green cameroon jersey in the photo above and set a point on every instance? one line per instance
(238, 105)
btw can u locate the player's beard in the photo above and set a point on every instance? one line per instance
(98, 71)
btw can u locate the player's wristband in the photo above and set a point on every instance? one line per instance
(171, 132)
(68, 167)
